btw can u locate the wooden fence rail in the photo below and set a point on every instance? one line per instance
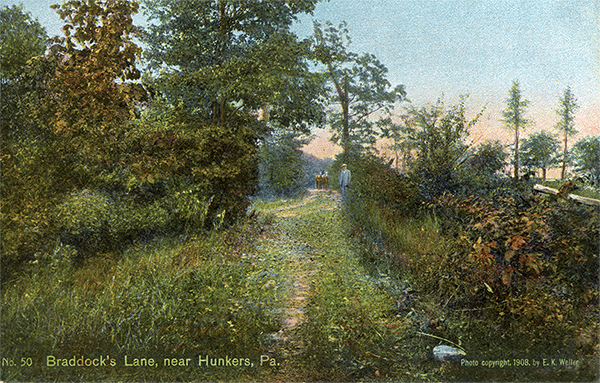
(580, 199)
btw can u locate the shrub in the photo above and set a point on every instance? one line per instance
(93, 221)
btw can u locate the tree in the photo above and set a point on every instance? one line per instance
(21, 38)
(358, 86)
(281, 163)
(28, 184)
(539, 151)
(586, 155)
(514, 118)
(92, 102)
(218, 64)
(566, 111)
(226, 59)
(439, 136)
(488, 159)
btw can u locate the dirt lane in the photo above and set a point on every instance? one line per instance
(302, 265)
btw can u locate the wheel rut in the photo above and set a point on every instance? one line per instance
(302, 268)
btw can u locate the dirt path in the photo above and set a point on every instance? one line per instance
(313, 194)
(337, 317)
(302, 268)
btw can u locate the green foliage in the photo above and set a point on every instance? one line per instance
(281, 164)
(533, 263)
(92, 221)
(586, 155)
(376, 186)
(490, 264)
(439, 138)
(173, 144)
(225, 60)
(92, 106)
(30, 178)
(539, 151)
(358, 85)
(213, 294)
(21, 38)
(489, 158)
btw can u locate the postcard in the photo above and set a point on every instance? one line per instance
(300, 190)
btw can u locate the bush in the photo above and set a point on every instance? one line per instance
(94, 221)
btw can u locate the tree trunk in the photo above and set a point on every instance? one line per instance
(516, 174)
(543, 174)
(564, 162)
(346, 122)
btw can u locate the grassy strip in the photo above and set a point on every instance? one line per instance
(353, 328)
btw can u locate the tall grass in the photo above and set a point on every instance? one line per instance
(212, 295)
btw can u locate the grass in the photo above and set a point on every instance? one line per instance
(354, 328)
(174, 298)
(378, 301)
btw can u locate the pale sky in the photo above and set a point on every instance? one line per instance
(478, 47)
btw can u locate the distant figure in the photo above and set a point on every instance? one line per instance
(325, 178)
(322, 180)
(344, 181)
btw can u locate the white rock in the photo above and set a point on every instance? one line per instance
(448, 354)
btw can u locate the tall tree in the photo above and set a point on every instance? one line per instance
(358, 86)
(21, 39)
(514, 119)
(27, 185)
(219, 63)
(539, 150)
(226, 59)
(566, 125)
(99, 55)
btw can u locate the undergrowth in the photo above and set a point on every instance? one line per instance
(213, 295)
(505, 275)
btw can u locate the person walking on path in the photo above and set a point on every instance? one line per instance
(344, 181)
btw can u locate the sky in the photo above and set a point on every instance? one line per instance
(445, 48)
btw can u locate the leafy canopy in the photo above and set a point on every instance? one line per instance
(359, 89)
(539, 151)
(21, 38)
(586, 153)
(226, 59)
(92, 101)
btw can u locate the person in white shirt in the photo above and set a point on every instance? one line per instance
(344, 181)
